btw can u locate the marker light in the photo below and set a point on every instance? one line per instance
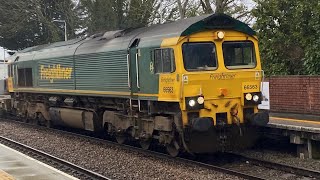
(192, 103)
(255, 98)
(220, 35)
(200, 100)
(248, 97)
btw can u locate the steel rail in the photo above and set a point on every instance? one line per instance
(254, 161)
(222, 169)
(279, 166)
(154, 153)
(181, 160)
(61, 164)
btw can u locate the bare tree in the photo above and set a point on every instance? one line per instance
(182, 8)
(235, 8)
(206, 6)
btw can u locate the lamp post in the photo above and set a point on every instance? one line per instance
(161, 10)
(65, 28)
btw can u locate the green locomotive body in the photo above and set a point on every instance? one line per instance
(133, 84)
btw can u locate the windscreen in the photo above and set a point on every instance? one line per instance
(199, 56)
(239, 55)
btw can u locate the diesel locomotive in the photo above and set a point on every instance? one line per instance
(192, 85)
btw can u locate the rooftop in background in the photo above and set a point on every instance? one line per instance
(3, 67)
(7, 52)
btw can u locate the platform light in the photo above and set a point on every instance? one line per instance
(192, 103)
(248, 97)
(255, 98)
(220, 34)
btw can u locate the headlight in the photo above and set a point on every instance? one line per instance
(252, 99)
(192, 103)
(200, 100)
(255, 98)
(249, 97)
(220, 35)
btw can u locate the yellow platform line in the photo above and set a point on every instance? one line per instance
(295, 120)
(5, 176)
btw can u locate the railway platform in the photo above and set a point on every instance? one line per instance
(302, 130)
(17, 166)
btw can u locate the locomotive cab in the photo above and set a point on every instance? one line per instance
(221, 90)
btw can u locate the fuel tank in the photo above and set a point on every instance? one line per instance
(80, 119)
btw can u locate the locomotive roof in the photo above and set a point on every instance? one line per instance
(122, 39)
(193, 25)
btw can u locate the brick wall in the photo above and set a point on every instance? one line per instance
(295, 94)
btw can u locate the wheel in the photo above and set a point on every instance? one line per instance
(25, 118)
(48, 124)
(173, 149)
(35, 121)
(145, 144)
(2, 113)
(121, 138)
(43, 121)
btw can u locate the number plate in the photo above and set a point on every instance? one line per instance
(251, 87)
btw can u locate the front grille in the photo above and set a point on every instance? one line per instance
(222, 119)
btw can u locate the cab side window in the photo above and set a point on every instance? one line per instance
(25, 77)
(164, 60)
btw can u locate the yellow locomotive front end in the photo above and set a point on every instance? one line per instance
(219, 91)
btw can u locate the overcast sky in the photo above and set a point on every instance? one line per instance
(250, 3)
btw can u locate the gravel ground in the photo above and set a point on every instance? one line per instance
(111, 161)
(281, 151)
(284, 158)
(231, 162)
(265, 173)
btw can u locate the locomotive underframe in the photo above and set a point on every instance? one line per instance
(120, 117)
(125, 118)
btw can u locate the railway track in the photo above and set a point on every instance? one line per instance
(153, 153)
(58, 163)
(253, 161)
(278, 166)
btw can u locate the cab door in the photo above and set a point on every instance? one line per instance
(144, 81)
(134, 76)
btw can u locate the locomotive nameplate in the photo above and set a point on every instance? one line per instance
(52, 72)
(250, 86)
(223, 76)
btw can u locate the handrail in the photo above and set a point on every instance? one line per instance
(137, 71)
